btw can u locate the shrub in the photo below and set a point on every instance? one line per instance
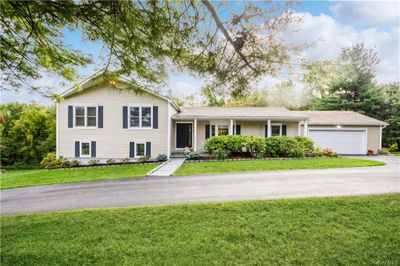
(51, 162)
(188, 150)
(306, 143)
(193, 155)
(110, 161)
(93, 162)
(384, 151)
(144, 158)
(74, 163)
(282, 146)
(393, 147)
(370, 152)
(319, 152)
(255, 146)
(125, 160)
(222, 147)
(162, 157)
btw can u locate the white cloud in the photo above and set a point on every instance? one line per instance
(367, 12)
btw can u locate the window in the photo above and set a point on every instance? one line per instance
(85, 116)
(276, 130)
(140, 116)
(85, 149)
(140, 149)
(223, 130)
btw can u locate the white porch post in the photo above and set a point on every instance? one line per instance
(230, 130)
(299, 129)
(269, 129)
(305, 128)
(195, 135)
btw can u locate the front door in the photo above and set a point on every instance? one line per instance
(183, 135)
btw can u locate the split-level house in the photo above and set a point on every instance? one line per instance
(98, 121)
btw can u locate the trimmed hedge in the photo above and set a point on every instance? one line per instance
(222, 147)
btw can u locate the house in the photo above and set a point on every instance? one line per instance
(98, 121)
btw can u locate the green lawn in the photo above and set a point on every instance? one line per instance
(328, 231)
(265, 165)
(24, 178)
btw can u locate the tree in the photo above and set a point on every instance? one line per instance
(392, 113)
(27, 133)
(142, 39)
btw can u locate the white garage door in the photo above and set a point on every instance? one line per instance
(340, 141)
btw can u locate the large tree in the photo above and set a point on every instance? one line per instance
(231, 45)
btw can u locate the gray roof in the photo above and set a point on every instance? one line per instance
(254, 113)
(344, 118)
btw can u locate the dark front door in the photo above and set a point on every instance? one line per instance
(183, 135)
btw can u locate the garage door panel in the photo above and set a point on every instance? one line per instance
(340, 141)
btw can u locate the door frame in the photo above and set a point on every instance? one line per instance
(176, 129)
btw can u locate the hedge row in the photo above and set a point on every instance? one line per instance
(223, 147)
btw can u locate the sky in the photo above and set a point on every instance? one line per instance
(332, 24)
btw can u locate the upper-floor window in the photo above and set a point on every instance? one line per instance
(140, 116)
(85, 116)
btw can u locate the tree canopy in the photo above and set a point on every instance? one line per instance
(231, 47)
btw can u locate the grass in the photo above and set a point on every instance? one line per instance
(328, 231)
(24, 178)
(265, 165)
(395, 153)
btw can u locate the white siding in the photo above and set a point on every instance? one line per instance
(112, 140)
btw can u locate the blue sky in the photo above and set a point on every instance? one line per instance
(335, 24)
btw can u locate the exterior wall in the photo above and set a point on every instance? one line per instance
(112, 141)
(373, 135)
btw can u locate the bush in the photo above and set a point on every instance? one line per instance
(125, 160)
(144, 158)
(282, 146)
(319, 152)
(255, 145)
(162, 157)
(51, 162)
(306, 143)
(93, 162)
(74, 163)
(222, 147)
(110, 161)
(393, 147)
(193, 155)
(384, 151)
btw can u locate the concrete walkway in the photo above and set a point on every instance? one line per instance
(206, 188)
(168, 168)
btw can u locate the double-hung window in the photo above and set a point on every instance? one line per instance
(85, 149)
(140, 117)
(85, 116)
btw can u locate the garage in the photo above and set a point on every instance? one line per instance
(342, 141)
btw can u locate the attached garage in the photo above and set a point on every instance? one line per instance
(342, 141)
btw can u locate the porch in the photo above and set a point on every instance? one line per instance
(194, 132)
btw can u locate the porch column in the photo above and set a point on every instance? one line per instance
(299, 129)
(230, 130)
(305, 128)
(195, 135)
(269, 129)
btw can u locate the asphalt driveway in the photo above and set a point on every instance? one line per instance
(205, 188)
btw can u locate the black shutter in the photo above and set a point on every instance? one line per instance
(131, 149)
(100, 116)
(148, 149)
(207, 131)
(93, 148)
(155, 116)
(283, 130)
(70, 116)
(237, 130)
(125, 116)
(266, 130)
(77, 149)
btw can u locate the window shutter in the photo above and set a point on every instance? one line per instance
(266, 130)
(131, 149)
(207, 131)
(77, 147)
(100, 116)
(125, 116)
(93, 148)
(70, 116)
(237, 130)
(283, 130)
(148, 149)
(155, 116)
